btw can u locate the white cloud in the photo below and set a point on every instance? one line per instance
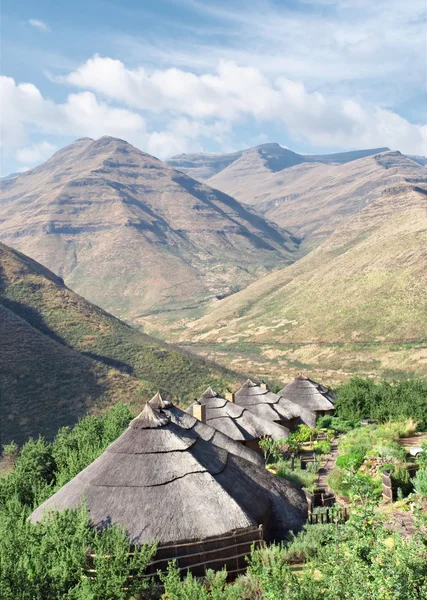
(24, 110)
(35, 153)
(235, 93)
(38, 24)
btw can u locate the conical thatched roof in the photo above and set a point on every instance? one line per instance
(165, 482)
(237, 422)
(265, 404)
(207, 432)
(308, 394)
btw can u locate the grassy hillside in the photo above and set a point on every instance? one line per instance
(58, 350)
(364, 288)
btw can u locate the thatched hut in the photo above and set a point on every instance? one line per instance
(314, 399)
(267, 405)
(205, 430)
(204, 505)
(236, 422)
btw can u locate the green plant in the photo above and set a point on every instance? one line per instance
(299, 477)
(400, 400)
(322, 447)
(338, 482)
(272, 449)
(350, 462)
(391, 451)
(420, 482)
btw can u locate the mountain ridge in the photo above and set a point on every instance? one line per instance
(205, 166)
(132, 234)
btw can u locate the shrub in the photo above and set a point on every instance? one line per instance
(299, 477)
(308, 542)
(420, 482)
(391, 451)
(303, 434)
(322, 447)
(389, 467)
(350, 462)
(338, 482)
(364, 398)
(324, 422)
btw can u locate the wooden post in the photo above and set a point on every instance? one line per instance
(229, 396)
(199, 412)
(263, 385)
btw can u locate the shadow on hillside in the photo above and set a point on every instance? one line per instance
(257, 221)
(120, 365)
(32, 316)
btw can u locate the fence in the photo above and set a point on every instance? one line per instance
(228, 550)
(329, 515)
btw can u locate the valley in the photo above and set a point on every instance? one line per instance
(333, 281)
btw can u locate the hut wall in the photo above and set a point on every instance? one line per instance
(253, 445)
(215, 553)
(290, 424)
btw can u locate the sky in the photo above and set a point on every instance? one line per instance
(173, 76)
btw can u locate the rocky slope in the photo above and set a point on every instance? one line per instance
(265, 158)
(313, 195)
(61, 356)
(357, 303)
(134, 235)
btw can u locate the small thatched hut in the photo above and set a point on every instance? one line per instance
(204, 505)
(236, 422)
(314, 399)
(267, 405)
(207, 432)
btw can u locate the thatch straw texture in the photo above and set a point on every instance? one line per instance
(266, 404)
(309, 395)
(237, 422)
(165, 482)
(205, 431)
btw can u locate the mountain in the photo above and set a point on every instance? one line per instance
(355, 304)
(61, 356)
(265, 158)
(314, 195)
(134, 235)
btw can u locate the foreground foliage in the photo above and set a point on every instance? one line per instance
(360, 560)
(365, 399)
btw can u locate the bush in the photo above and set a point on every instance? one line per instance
(338, 481)
(420, 482)
(324, 422)
(299, 477)
(391, 451)
(322, 447)
(400, 475)
(365, 399)
(350, 462)
(303, 434)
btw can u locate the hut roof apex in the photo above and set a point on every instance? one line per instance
(158, 403)
(149, 418)
(210, 393)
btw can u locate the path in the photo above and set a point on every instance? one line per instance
(403, 522)
(329, 465)
(414, 440)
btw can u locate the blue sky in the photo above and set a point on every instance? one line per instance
(200, 75)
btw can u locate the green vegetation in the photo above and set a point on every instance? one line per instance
(360, 560)
(302, 478)
(366, 452)
(364, 398)
(49, 560)
(64, 352)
